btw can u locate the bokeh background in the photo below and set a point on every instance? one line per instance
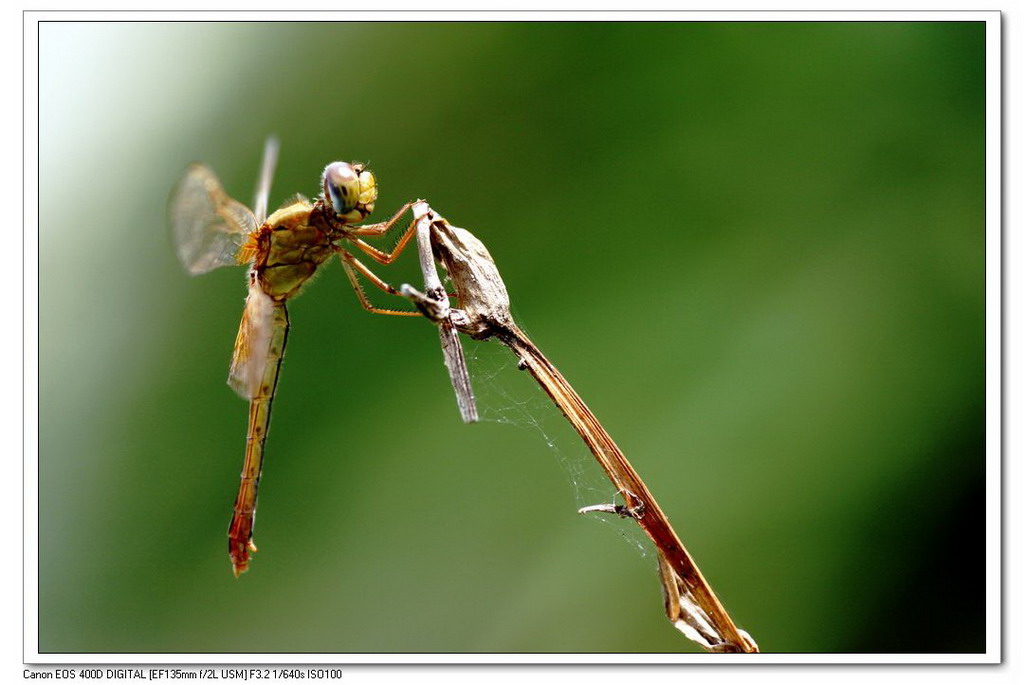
(757, 250)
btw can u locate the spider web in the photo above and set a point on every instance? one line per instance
(507, 395)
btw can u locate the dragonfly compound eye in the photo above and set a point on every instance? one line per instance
(341, 187)
(351, 190)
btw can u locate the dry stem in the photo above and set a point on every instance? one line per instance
(690, 603)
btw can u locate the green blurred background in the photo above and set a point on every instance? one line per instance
(757, 250)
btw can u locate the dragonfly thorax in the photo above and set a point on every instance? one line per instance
(350, 190)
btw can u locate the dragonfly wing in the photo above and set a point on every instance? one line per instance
(259, 203)
(252, 345)
(207, 226)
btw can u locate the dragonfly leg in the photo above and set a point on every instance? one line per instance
(352, 265)
(376, 254)
(383, 227)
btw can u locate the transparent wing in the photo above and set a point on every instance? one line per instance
(207, 226)
(259, 203)
(252, 345)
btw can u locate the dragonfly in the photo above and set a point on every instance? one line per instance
(282, 251)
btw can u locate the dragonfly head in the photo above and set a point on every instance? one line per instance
(351, 189)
